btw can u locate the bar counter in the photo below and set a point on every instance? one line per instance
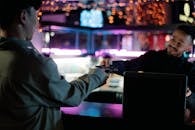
(101, 109)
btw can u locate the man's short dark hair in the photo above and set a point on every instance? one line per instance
(188, 29)
(10, 9)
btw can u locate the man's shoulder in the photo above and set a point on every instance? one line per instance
(155, 53)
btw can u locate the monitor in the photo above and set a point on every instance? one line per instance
(155, 100)
(92, 18)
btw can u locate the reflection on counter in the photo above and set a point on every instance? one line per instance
(94, 109)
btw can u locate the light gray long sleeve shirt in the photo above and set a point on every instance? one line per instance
(32, 91)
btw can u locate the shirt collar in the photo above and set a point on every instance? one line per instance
(14, 43)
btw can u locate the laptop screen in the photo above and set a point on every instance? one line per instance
(154, 98)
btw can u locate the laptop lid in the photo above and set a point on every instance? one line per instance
(154, 99)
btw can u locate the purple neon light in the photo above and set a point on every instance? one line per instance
(120, 53)
(77, 52)
(95, 109)
(65, 52)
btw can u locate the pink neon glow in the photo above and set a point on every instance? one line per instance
(66, 52)
(120, 53)
(77, 52)
(129, 53)
(95, 109)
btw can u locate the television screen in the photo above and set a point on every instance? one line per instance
(169, 100)
(92, 18)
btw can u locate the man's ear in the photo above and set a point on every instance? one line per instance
(189, 48)
(23, 16)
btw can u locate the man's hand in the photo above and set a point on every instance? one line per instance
(105, 62)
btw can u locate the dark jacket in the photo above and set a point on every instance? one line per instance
(158, 61)
(32, 91)
(191, 79)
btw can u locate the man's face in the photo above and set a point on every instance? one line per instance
(179, 43)
(31, 23)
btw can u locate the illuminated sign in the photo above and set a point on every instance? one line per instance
(186, 16)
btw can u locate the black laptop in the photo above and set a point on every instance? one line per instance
(154, 100)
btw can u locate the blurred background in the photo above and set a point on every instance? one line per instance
(78, 33)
